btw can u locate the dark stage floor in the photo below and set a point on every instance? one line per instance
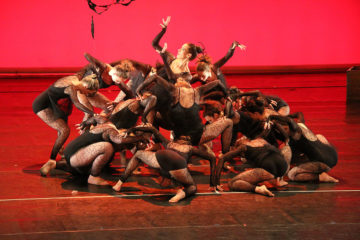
(61, 207)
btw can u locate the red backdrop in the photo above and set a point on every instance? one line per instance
(41, 33)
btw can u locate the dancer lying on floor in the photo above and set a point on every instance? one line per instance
(91, 151)
(313, 155)
(266, 163)
(54, 105)
(172, 163)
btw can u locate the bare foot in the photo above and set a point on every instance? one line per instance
(263, 191)
(280, 182)
(179, 195)
(45, 169)
(324, 177)
(117, 186)
(97, 181)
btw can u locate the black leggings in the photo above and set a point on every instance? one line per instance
(170, 160)
(274, 163)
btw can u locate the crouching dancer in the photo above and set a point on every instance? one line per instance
(313, 155)
(264, 160)
(172, 163)
(91, 151)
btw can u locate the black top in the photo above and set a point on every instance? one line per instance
(81, 141)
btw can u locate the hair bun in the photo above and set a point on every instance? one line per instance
(199, 49)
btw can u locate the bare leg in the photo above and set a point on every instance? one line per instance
(222, 126)
(247, 180)
(96, 155)
(324, 177)
(63, 130)
(184, 178)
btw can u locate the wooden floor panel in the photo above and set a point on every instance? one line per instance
(63, 207)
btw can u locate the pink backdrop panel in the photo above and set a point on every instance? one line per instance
(41, 33)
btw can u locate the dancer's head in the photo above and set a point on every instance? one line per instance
(90, 85)
(122, 71)
(203, 67)
(188, 51)
(212, 111)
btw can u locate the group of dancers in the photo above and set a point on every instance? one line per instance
(256, 128)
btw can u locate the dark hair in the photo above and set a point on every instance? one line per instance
(194, 50)
(203, 62)
(211, 108)
(255, 104)
(233, 92)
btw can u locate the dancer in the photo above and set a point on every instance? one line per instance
(172, 163)
(207, 72)
(183, 111)
(126, 113)
(179, 64)
(313, 155)
(268, 101)
(115, 73)
(91, 151)
(266, 161)
(54, 105)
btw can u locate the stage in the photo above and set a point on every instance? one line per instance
(63, 207)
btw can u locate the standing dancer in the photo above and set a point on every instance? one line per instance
(54, 105)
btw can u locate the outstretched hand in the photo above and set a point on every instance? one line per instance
(165, 23)
(237, 44)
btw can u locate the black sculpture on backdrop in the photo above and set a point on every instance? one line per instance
(100, 8)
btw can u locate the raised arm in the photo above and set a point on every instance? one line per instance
(165, 58)
(229, 54)
(72, 92)
(155, 42)
(95, 61)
